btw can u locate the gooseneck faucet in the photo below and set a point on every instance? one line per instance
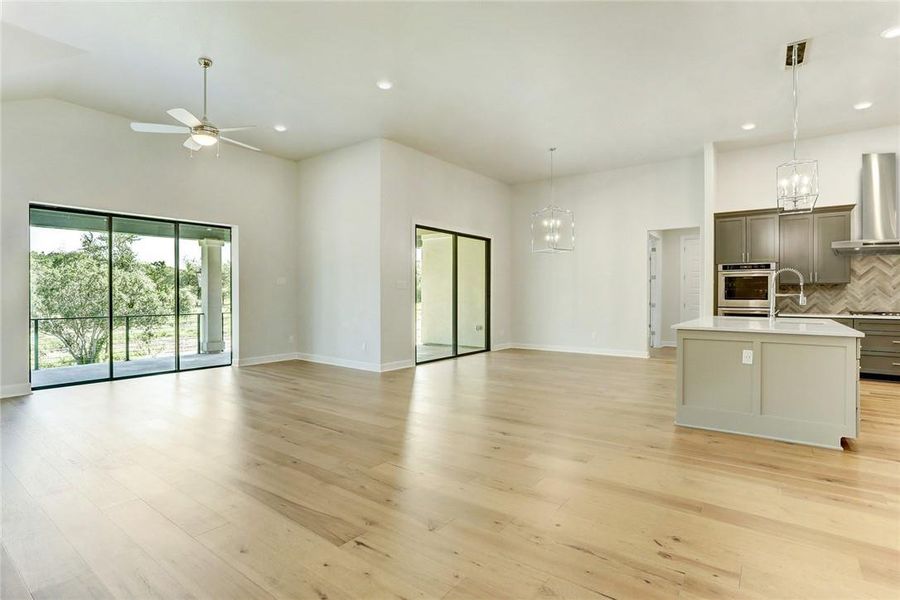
(773, 290)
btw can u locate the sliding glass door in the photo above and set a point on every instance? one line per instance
(70, 298)
(115, 296)
(143, 283)
(204, 283)
(452, 300)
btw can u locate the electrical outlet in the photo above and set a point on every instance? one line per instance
(747, 357)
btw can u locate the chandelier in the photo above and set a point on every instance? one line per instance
(797, 180)
(552, 228)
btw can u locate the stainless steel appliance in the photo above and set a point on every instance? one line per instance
(878, 209)
(745, 285)
(744, 312)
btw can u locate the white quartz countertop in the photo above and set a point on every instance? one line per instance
(781, 325)
(838, 316)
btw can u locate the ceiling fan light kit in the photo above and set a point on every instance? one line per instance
(201, 132)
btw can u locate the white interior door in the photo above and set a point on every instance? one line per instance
(655, 284)
(690, 277)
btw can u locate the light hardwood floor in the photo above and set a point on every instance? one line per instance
(510, 474)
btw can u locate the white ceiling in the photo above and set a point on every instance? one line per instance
(485, 85)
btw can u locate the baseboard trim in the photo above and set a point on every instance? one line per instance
(339, 362)
(261, 360)
(17, 389)
(667, 344)
(503, 346)
(397, 365)
(583, 350)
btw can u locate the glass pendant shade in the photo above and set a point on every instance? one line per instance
(798, 185)
(552, 230)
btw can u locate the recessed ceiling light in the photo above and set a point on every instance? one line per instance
(862, 105)
(384, 84)
(280, 128)
(891, 32)
(748, 126)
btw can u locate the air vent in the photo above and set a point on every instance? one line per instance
(801, 53)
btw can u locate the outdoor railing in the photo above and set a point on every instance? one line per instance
(36, 329)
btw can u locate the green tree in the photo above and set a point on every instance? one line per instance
(74, 284)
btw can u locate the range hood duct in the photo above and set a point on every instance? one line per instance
(878, 209)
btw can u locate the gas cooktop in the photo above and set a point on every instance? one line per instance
(880, 313)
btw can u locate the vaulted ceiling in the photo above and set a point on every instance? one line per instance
(485, 85)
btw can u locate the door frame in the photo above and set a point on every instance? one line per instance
(654, 289)
(455, 287)
(682, 287)
(109, 216)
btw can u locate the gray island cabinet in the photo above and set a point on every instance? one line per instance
(795, 380)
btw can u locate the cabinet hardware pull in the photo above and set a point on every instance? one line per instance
(895, 341)
(896, 364)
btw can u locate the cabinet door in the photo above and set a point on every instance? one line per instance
(796, 244)
(830, 267)
(762, 238)
(730, 240)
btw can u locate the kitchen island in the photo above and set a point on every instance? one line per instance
(795, 380)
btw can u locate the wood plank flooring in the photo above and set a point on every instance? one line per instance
(512, 474)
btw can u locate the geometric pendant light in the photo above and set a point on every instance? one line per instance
(552, 228)
(797, 181)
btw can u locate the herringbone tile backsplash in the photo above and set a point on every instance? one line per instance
(874, 286)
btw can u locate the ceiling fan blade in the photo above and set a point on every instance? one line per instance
(159, 128)
(184, 116)
(238, 128)
(237, 143)
(190, 144)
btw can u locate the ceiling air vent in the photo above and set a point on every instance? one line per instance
(801, 53)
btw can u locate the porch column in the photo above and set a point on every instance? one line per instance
(211, 338)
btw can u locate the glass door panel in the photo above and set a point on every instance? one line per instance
(204, 283)
(472, 284)
(69, 297)
(435, 302)
(143, 279)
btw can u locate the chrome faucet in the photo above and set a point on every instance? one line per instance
(773, 289)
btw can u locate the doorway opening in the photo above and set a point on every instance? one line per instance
(674, 264)
(452, 294)
(116, 296)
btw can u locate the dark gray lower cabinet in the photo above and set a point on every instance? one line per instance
(880, 349)
(829, 267)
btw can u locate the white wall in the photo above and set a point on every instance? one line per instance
(420, 189)
(338, 223)
(745, 179)
(671, 280)
(60, 153)
(595, 299)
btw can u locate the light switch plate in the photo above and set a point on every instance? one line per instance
(747, 357)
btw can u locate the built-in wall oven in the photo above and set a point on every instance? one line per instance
(743, 312)
(745, 286)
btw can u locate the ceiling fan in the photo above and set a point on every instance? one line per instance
(201, 131)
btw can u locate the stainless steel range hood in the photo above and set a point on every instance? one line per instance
(878, 210)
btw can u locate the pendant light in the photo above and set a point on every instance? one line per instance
(797, 181)
(552, 228)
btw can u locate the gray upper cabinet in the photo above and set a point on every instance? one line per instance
(762, 238)
(730, 240)
(796, 243)
(830, 267)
